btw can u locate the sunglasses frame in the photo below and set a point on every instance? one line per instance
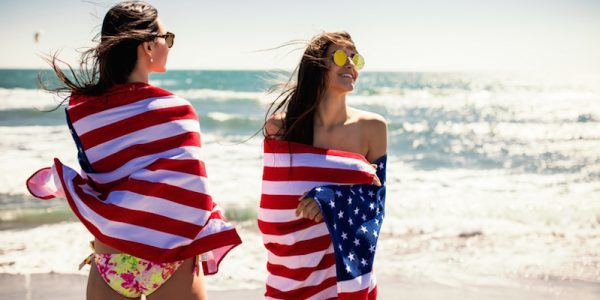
(351, 58)
(166, 37)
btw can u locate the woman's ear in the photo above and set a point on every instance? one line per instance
(147, 47)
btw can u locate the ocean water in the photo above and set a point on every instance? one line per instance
(493, 178)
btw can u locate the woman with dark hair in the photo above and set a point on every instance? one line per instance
(324, 167)
(142, 189)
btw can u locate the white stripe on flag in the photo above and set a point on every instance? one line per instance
(330, 292)
(309, 260)
(186, 181)
(214, 226)
(107, 117)
(277, 215)
(316, 161)
(290, 187)
(188, 152)
(158, 206)
(142, 136)
(315, 231)
(287, 284)
(356, 284)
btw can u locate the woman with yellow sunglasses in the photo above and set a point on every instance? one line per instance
(325, 138)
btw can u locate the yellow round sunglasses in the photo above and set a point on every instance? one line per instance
(340, 58)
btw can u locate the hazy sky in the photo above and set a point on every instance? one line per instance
(428, 35)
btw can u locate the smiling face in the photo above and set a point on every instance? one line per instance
(341, 79)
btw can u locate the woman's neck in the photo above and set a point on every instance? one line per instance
(138, 74)
(332, 110)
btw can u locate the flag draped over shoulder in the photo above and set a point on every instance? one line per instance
(143, 185)
(303, 263)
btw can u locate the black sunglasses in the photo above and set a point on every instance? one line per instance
(169, 38)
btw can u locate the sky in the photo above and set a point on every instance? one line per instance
(427, 36)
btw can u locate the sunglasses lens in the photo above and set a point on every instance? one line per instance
(339, 58)
(170, 40)
(358, 60)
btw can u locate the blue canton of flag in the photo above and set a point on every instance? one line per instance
(353, 214)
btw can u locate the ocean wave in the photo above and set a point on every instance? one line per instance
(19, 98)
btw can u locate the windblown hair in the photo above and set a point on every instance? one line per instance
(299, 100)
(125, 26)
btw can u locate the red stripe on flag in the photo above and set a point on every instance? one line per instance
(301, 274)
(189, 166)
(167, 192)
(144, 120)
(281, 228)
(301, 293)
(279, 201)
(302, 247)
(116, 160)
(81, 106)
(339, 176)
(279, 146)
(362, 294)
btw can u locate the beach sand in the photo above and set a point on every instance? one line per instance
(27, 272)
(71, 286)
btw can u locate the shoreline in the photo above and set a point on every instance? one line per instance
(72, 286)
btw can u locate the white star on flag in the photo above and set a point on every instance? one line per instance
(356, 242)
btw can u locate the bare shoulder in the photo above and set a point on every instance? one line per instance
(370, 122)
(373, 127)
(274, 124)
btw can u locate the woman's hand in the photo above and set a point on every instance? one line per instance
(308, 208)
(376, 180)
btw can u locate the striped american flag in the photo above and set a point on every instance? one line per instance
(301, 257)
(143, 186)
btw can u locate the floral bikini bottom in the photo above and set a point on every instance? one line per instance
(131, 276)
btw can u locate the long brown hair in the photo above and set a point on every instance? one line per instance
(300, 99)
(124, 27)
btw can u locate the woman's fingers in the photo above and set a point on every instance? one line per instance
(301, 206)
(376, 181)
(318, 217)
(308, 208)
(312, 210)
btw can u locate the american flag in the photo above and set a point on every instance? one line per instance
(301, 257)
(354, 215)
(143, 186)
